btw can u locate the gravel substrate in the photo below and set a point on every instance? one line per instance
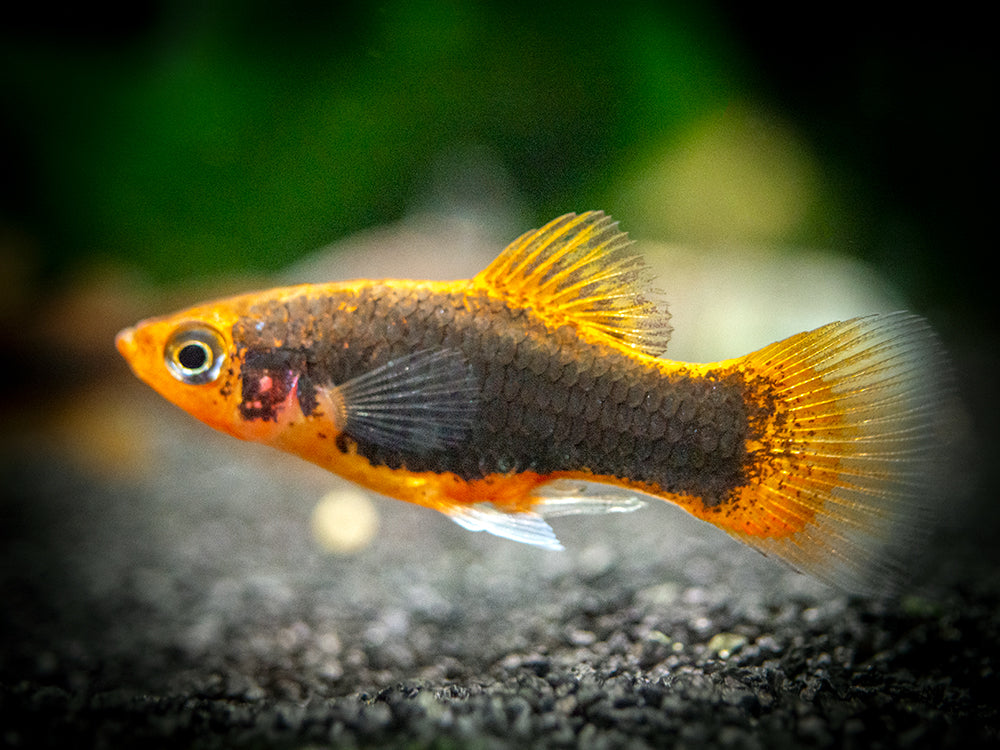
(185, 604)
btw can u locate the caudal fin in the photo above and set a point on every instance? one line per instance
(850, 456)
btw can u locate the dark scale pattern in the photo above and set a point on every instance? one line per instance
(548, 401)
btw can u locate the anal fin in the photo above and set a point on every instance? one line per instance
(561, 497)
(569, 497)
(526, 527)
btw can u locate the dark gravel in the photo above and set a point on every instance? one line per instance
(161, 588)
(181, 602)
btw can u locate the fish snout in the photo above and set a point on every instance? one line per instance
(125, 342)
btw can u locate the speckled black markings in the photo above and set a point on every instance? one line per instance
(548, 401)
(281, 370)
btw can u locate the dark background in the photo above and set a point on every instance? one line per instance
(163, 152)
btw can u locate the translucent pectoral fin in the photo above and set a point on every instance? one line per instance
(527, 528)
(421, 402)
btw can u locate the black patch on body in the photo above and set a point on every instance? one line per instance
(547, 400)
(267, 377)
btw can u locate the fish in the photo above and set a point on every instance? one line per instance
(539, 388)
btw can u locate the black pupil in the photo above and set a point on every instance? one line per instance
(192, 356)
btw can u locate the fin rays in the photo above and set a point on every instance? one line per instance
(560, 497)
(857, 452)
(579, 270)
(527, 528)
(421, 402)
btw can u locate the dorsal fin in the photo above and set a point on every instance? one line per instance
(580, 270)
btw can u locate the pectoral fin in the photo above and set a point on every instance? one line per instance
(420, 402)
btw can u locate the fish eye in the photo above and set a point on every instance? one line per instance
(194, 354)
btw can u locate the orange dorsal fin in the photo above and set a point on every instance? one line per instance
(580, 270)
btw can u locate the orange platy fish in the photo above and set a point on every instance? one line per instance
(537, 389)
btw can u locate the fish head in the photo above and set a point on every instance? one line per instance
(190, 359)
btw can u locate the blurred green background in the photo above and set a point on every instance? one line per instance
(183, 140)
(175, 147)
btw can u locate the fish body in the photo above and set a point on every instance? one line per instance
(537, 389)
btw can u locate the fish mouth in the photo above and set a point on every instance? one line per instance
(124, 342)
